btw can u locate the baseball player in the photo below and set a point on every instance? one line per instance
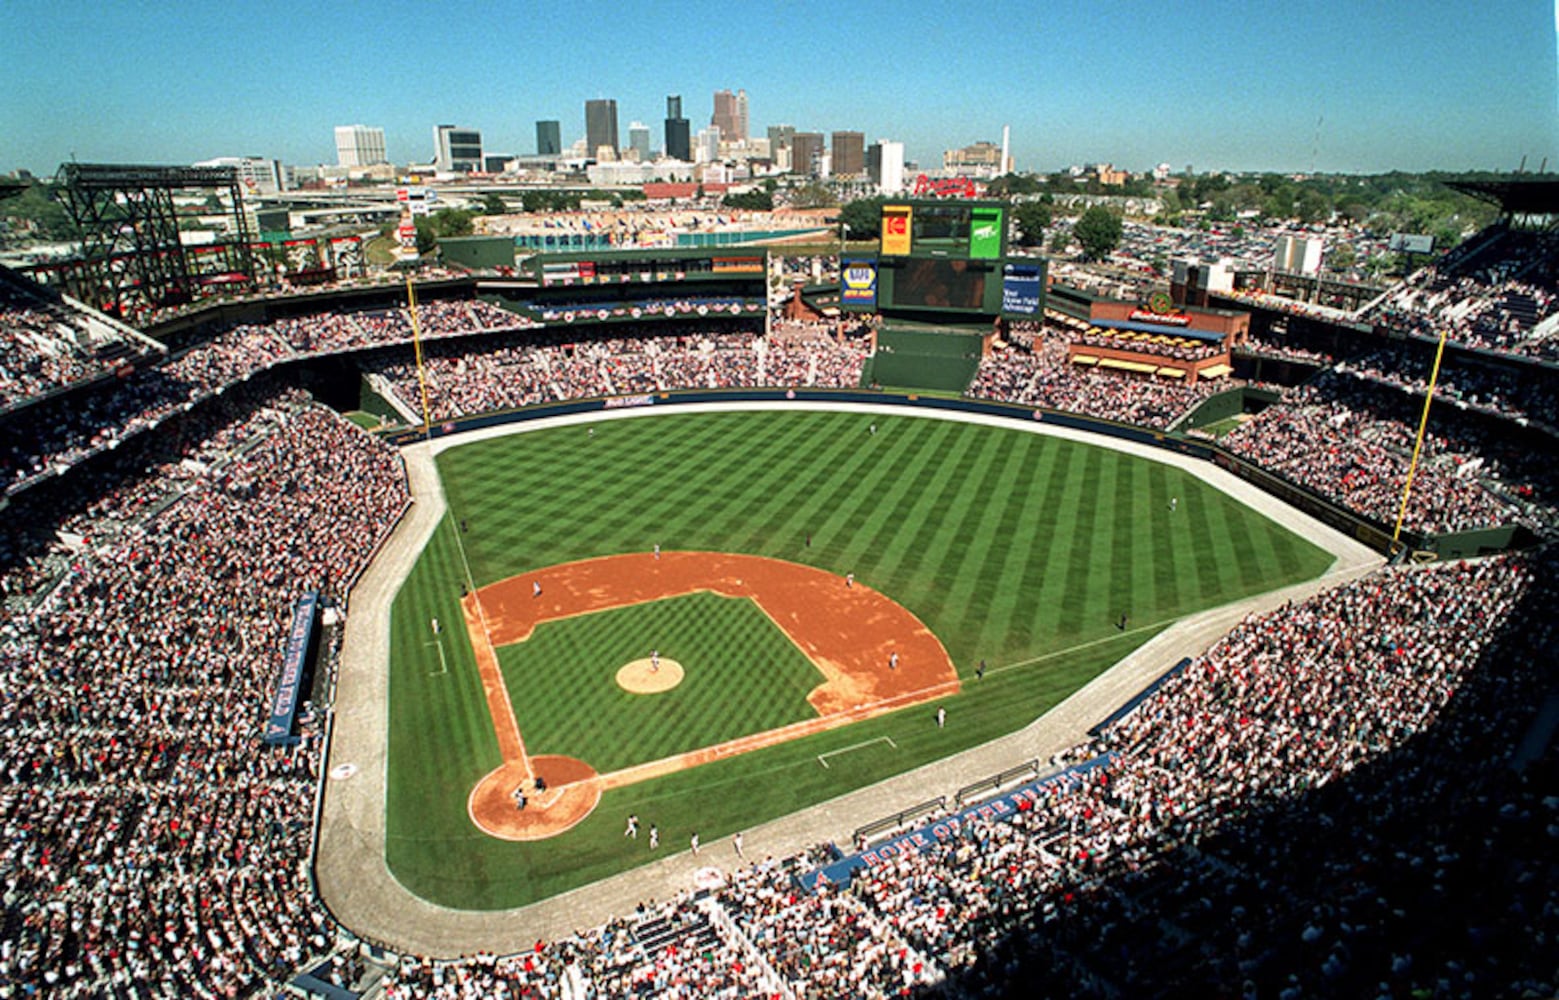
(893, 660)
(941, 716)
(654, 836)
(633, 826)
(654, 661)
(535, 588)
(736, 842)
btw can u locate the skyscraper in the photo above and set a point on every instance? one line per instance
(639, 141)
(730, 115)
(549, 138)
(359, 146)
(806, 153)
(849, 149)
(885, 166)
(600, 127)
(679, 137)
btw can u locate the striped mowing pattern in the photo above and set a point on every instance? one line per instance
(1017, 548)
(743, 675)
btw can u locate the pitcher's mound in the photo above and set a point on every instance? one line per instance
(572, 792)
(638, 678)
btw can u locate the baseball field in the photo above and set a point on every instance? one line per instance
(710, 620)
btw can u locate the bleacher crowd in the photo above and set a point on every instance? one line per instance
(152, 846)
(1497, 291)
(1042, 376)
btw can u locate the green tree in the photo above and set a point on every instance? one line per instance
(1341, 257)
(813, 195)
(1033, 218)
(1098, 231)
(452, 222)
(751, 201)
(864, 217)
(493, 204)
(1059, 241)
(427, 239)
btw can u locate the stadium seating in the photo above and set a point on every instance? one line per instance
(164, 523)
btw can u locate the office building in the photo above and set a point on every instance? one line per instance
(456, 150)
(708, 150)
(779, 144)
(601, 128)
(359, 146)
(849, 154)
(806, 153)
(679, 145)
(730, 115)
(549, 138)
(885, 166)
(639, 142)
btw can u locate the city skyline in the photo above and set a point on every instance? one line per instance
(1218, 85)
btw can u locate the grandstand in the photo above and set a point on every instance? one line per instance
(170, 493)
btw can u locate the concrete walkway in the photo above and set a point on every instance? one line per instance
(364, 895)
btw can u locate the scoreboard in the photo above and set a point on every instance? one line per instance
(947, 257)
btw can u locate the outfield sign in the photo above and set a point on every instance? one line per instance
(284, 704)
(858, 284)
(1021, 285)
(985, 224)
(897, 222)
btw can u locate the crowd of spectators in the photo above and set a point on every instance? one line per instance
(64, 430)
(1349, 440)
(1285, 817)
(561, 364)
(46, 345)
(152, 846)
(1044, 377)
(1499, 291)
(1528, 396)
(670, 308)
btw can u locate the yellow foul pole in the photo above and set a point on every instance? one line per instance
(1418, 443)
(416, 343)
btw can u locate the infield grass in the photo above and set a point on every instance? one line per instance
(1016, 548)
(743, 675)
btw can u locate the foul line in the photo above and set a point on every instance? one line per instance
(822, 758)
(1082, 645)
(522, 757)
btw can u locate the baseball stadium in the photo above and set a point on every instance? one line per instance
(748, 621)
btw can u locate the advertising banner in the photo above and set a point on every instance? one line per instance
(284, 704)
(897, 222)
(858, 284)
(1021, 285)
(985, 224)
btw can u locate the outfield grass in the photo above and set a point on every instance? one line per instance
(1020, 549)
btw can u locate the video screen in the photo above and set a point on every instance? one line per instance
(939, 284)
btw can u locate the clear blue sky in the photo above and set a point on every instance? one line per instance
(1350, 86)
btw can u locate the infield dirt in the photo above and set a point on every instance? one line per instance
(874, 654)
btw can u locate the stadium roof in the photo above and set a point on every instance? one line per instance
(1523, 197)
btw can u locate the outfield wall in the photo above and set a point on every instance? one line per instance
(1368, 532)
